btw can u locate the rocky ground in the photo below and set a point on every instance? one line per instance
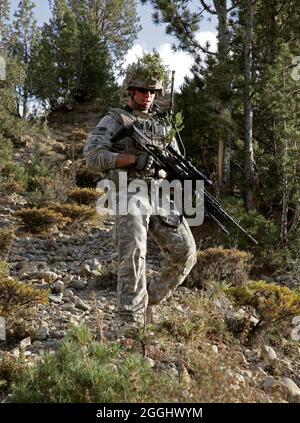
(80, 270)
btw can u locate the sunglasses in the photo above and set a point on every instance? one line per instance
(145, 90)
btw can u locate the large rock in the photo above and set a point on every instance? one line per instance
(42, 333)
(78, 283)
(58, 287)
(292, 391)
(84, 270)
(284, 387)
(26, 342)
(268, 353)
(57, 299)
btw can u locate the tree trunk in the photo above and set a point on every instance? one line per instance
(284, 212)
(248, 112)
(295, 220)
(285, 183)
(224, 154)
(25, 104)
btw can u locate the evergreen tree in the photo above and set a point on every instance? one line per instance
(70, 62)
(4, 32)
(93, 72)
(10, 124)
(115, 22)
(53, 67)
(24, 38)
(4, 27)
(280, 167)
(183, 21)
(249, 169)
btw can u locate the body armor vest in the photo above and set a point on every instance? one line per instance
(152, 127)
(156, 131)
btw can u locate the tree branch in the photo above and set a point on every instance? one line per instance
(207, 8)
(231, 8)
(190, 37)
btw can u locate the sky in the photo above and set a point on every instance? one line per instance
(151, 36)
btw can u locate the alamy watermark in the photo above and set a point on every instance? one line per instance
(157, 197)
(2, 69)
(296, 69)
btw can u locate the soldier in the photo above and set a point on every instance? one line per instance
(137, 296)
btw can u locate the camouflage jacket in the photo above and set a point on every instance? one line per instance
(101, 154)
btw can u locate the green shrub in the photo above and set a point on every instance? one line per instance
(38, 167)
(14, 171)
(202, 321)
(271, 301)
(85, 196)
(73, 211)
(4, 269)
(36, 220)
(12, 187)
(16, 295)
(40, 197)
(6, 150)
(11, 367)
(219, 264)
(264, 230)
(38, 182)
(6, 238)
(86, 177)
(82, 370)
(9, 169)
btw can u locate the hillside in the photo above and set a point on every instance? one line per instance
(200, 342)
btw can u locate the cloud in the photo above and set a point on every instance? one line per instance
(207, 36)
(133, 54)
(179, 61)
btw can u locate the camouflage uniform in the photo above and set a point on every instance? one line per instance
(172, 234)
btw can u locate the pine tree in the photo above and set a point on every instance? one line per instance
(182, 22)
(93, 72)
(25, 36)
(4, 33)
(282, 94)
(4, 27)
(70, 61)
(115, 22)
(10, 123)
(248, 110)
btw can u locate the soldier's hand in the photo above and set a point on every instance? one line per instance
(144, 161)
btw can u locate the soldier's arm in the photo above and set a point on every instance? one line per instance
(97, 149)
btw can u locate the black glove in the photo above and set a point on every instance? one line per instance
(144, 161)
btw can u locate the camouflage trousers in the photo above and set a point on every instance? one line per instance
(179, 256)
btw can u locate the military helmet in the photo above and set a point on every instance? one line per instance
(140, 78)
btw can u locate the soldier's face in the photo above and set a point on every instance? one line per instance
(143, 98)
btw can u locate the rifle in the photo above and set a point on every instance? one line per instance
(178, 167)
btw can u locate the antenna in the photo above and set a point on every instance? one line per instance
(172, 93)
